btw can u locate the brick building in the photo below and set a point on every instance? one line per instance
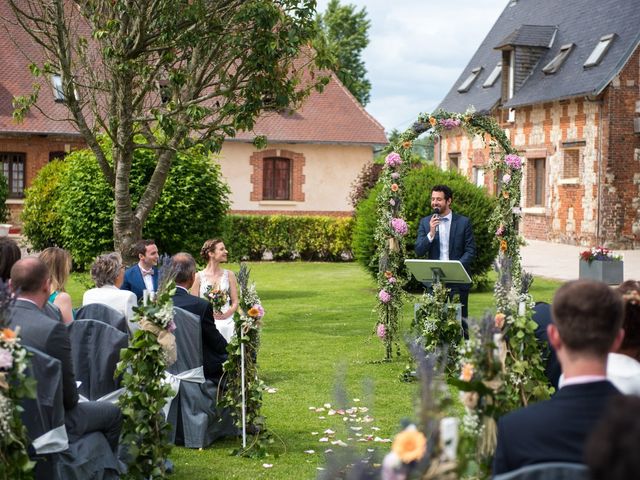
(563, 80)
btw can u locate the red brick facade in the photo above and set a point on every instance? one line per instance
(297, 173)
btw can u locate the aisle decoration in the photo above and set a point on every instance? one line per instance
(243, 388)
(142, 366)
(15, 386)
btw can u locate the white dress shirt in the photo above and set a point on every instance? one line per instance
(443, 230)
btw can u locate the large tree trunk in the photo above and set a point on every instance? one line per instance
(125, 235)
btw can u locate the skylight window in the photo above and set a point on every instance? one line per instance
(493, 76)
(558, 60)
(56, 83)
(598, 52)
(466, 85)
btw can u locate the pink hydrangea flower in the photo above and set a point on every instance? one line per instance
(513, 161)
(506, 178)
(500, 231)
(384, 296)
(6, 359)
(449, 123)
(393, 159)
(381, 331)
(392, 202)
(399, 226)
(395, 175)
(171, 327)
(391, 279)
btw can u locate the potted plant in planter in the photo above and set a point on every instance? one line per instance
(601, 264)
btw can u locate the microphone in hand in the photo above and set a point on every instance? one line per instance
(436, 214)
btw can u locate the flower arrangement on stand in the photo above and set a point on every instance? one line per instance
(142, 366)
(601, 254)
(14, 387)
(390, 232)
(244, 346)
(437, 323)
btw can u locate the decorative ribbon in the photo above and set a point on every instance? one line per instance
(53, 441)
(195, 375)
(166, 340)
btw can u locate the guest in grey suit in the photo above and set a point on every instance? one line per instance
(30, 278)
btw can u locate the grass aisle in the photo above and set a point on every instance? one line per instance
(318, 328)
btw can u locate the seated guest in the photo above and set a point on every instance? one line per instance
(144, 275)
(9, 254)
(586, 326)
(214, 346)
(542, 317)
(623, 367)
(31, 279)
(58, 262)
(612, 449)
(107, 273)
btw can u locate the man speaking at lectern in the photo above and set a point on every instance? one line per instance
(445, 235)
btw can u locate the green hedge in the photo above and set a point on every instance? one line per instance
(71, 205)
(4, 193)
(468, 200)
(288, 237)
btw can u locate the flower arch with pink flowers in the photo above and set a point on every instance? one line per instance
(392, 228)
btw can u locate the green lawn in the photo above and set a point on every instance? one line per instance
(318, 333)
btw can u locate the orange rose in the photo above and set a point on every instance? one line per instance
(406, 145)
(409, 445)
(499, 320)
(505, 193)
(433, 121)
(253, 312)
(503, 246)
(8, 334)
(467, 372)
(394, 187)
(388, 274)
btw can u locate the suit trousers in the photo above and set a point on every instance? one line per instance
(88, 417)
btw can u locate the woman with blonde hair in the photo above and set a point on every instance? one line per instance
(218, 286)
(58, 261)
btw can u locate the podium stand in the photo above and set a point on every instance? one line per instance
(434, 271)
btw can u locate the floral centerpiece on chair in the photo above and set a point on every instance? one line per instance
(142, 366)
(14, 387)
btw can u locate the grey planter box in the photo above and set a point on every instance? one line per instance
(609, 272)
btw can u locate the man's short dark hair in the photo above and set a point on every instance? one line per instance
(588, 316)
(28, 275)
(140, 248)
(183, 266)
(9, 254)
(448, 193)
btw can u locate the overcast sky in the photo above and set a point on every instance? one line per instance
(417, 49)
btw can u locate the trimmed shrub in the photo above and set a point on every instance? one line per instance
(191, 208)
(4, 193)
(367, 179)
(289, 237)
(468, 200)
(41, 221)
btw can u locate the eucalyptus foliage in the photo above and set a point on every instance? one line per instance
(195, 71)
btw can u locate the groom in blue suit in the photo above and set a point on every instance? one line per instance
(447, 236)
(143, 275)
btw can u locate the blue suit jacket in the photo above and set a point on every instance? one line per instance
(134, 283)
(462, 246)
(554, 430)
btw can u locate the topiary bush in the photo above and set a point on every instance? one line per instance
(41, 221)
(4, 193)
(468, 200)
(191, 208)
(289, 237)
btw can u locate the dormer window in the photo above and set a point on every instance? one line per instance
(58, 92)
(598, 52)
(466, 85)
(558, 60)
(493, 76)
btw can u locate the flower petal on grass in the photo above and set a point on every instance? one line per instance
(324, 439)
(267, 465)
(309, 451)
(340, 443)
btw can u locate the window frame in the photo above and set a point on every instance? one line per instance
(493, 76)
(468, 82)
(270, 182)
(556, 62)
(599, 51)
(11, 158)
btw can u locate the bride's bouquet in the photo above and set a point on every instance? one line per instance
(217, 298)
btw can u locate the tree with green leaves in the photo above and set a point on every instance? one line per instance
(346, 33)
(166, 75)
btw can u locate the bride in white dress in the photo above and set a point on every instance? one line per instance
(214, 253)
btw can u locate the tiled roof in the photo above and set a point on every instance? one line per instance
(530, 36)
(17, 51)
(333, 116)
(580, 22)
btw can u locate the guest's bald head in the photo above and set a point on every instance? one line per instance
(183, 266)
(29, 275)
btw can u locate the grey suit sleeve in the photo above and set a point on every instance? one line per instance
(422, 241)
(59, 346)
(469, 247)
